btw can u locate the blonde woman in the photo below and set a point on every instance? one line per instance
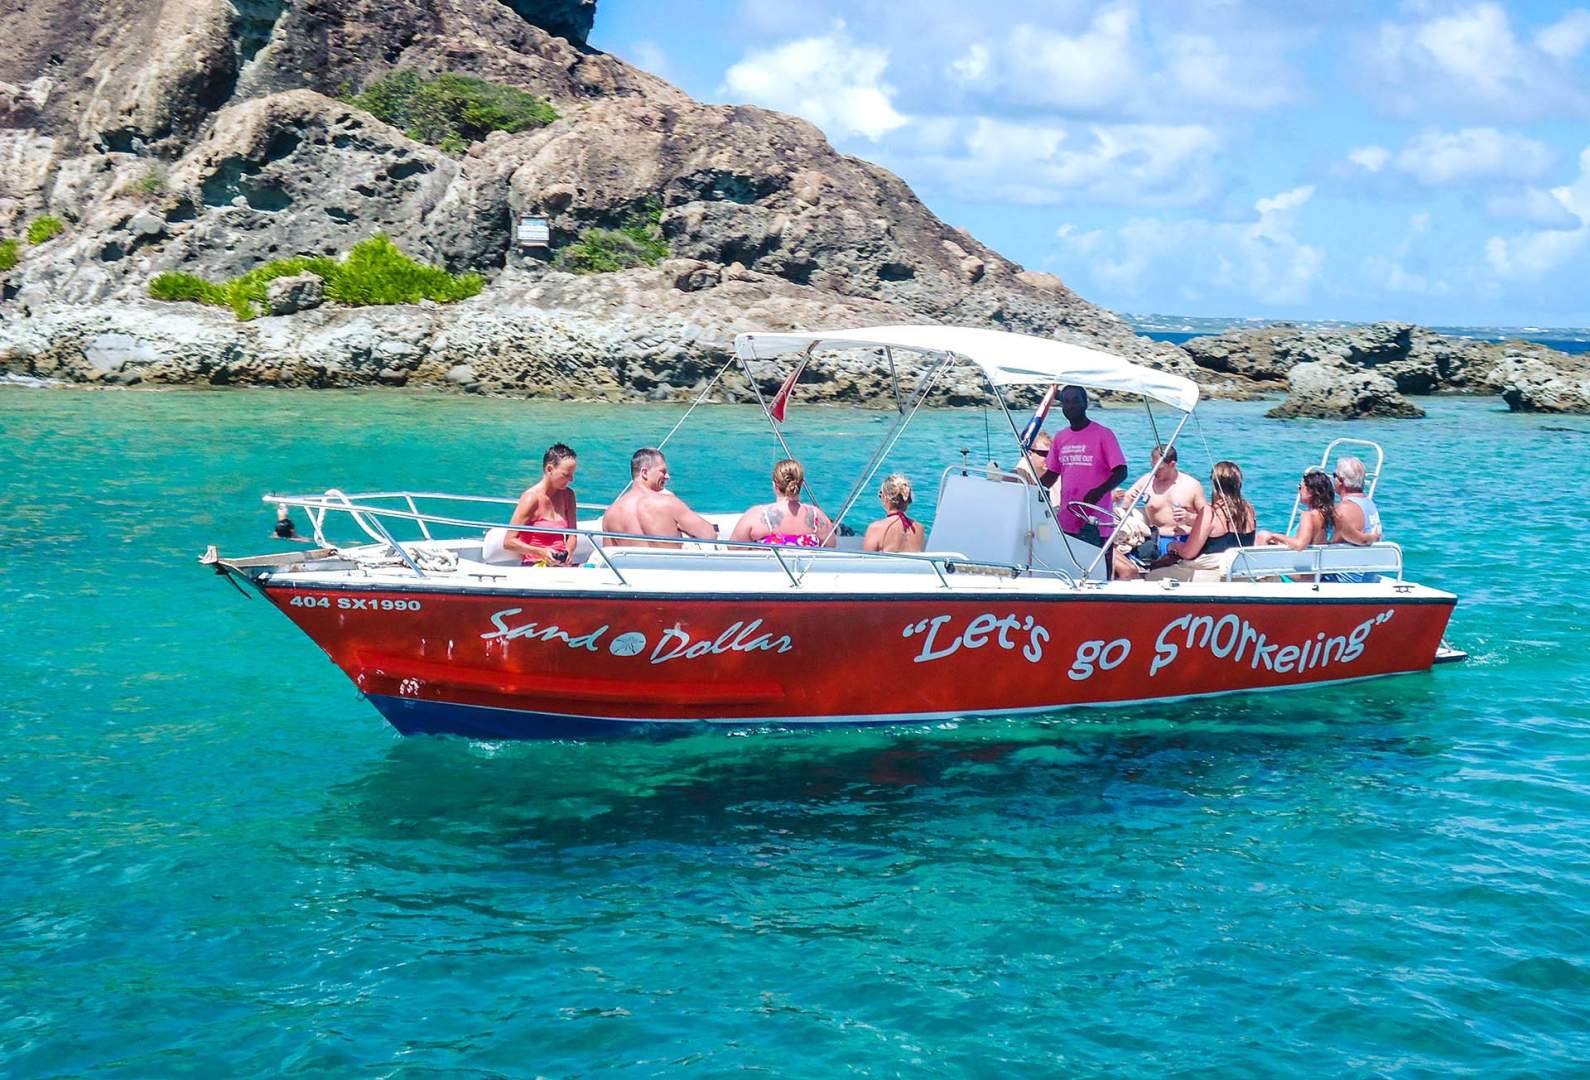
(786, 520)
(895, 531)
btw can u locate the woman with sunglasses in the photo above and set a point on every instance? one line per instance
(1317, 494)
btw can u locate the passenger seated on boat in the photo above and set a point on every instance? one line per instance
(649, 508)
(1318, 498)
(1226, 522)
(1031, 465)
(1357, 517)
(1172, 501)
(549, 502)
(786, 520)
(895, 531)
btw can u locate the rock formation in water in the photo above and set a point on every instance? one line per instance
(1370, 368)
(1531, 383)
(1327, 392)
(211, 137)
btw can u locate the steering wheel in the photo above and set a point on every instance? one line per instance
(1095, 514)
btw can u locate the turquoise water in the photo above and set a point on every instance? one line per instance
(218, 860)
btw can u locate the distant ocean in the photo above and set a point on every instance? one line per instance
(1179, 328)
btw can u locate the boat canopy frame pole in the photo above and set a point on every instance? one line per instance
(750, 377)
(1371, 479)
(890, 437)
(1131, 504)
(701, 397)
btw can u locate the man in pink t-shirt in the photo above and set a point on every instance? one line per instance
(1086, 458)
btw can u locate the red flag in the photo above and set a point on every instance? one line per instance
(781, 399)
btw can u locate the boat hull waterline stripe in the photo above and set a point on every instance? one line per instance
(412, 717)
(647, 660)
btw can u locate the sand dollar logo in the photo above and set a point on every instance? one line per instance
(627, 644)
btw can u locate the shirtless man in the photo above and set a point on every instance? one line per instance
(649, 508)
(1173, 502)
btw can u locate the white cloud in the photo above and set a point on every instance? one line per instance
(829, 80)
(1434, 158)
(1083, 243)
(1110, 68)
(1262, 258)
(1535, 254)
(1199, 68)
(1469, 156)
(1531, 256)
(1472, 60)
(1039, 164)
(1567, 37)
(1372, 158)
(1532, 206)
(1084, 72)
(1392, 276)
(648, 56)
(973, 65)
(1391, 272)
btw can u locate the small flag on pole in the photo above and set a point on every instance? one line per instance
(781, 399)
(1035, 425)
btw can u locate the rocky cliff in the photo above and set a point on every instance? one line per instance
(211, 137)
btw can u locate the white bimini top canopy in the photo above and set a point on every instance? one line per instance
(1007, 359)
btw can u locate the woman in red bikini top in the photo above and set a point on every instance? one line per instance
(786, 520)
(895, 531)
(549, 503)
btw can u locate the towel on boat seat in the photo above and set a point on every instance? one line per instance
(1131, 532)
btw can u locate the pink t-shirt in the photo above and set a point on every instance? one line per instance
(1084, 459)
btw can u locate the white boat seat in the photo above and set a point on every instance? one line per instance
(1262, 562)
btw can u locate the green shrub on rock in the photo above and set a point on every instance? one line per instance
(452, 111)
(189, 287)
(44, 229)
(375, 271)
(637, 242)
(152, 182)
(9, 254)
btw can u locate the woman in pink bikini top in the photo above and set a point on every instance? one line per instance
(895, 531)
(786, 520)
(548, 503)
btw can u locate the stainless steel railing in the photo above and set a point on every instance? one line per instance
(369, 519)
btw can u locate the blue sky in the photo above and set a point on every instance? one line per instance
(1427, 161)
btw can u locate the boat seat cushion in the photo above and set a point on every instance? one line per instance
(1381, 558)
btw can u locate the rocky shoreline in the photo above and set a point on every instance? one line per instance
(659, 333)
(207, 138)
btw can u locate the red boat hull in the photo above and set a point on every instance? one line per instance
(502, 665)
